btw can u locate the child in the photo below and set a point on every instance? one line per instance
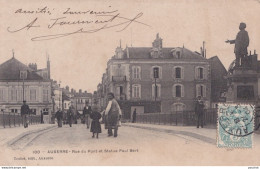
(95, 124)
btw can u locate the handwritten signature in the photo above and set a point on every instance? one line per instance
(113, 21)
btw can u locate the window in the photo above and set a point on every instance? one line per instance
(156, 90)
(20, 95)
(23, 74)
(33, 95)
(200, 90)
(178, 72)
(200, 73)
(156, 72)
(178, 90)
(45, 111)
(14, 110)
(13, 95)
(1, 94)
(136, 91)
(136, 72)
(178, 54)
(45, 95)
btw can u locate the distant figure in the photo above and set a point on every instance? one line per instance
(24, 113)
(113, 114)
(95, 124)
(86, 114)
(70, 115)
(241, 43)
(134, 116)
(199, 111)
(59, 116)
(41, 117)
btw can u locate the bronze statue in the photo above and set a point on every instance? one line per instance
(241, 44)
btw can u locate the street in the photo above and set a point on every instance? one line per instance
(75, 146)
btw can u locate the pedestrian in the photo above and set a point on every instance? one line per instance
(134, 116)
(113, 115)
(59, 116)
(41, 117)
(199, 111)
(70, 115)
(95, 124)
(86, 114)
(24, 113)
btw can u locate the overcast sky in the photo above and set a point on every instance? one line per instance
(79, 59)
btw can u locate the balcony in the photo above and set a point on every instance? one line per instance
(118, 78)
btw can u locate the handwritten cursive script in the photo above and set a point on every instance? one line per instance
(101, 20)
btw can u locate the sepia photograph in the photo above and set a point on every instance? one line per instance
(130, 83)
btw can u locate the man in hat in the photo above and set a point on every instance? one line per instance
(199, 111)
(24, 113)
(241, 43)
(113, 114)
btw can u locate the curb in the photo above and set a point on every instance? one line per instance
(180, 132)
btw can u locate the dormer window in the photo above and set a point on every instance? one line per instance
(178, 54)
(23, 74)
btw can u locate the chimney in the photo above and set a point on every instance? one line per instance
(67, 88)
(33, 66)
(157, 43)
(80, 91)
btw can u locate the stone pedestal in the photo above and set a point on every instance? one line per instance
(243, 83)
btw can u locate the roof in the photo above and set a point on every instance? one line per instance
(82, 94)
(145, 53)
(10, 70)
(215, 60)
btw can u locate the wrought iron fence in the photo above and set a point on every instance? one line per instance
(8, 119)
(177, 118)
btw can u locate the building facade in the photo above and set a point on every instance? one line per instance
(157, 79)
(19, 82)
(80, 100)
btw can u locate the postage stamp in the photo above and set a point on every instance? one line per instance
(235, 126)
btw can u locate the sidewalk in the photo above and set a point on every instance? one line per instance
(9, 134)
(208, 135)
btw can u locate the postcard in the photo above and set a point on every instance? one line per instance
(129, 83)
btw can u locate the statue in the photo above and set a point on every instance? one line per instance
(241, 43)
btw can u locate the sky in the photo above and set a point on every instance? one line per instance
(79, 59)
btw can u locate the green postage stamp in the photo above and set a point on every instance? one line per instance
(235, 126)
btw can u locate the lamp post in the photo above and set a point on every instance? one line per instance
(156, 75)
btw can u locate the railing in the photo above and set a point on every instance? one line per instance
(186, 118)
(8, 119)
(118, 78)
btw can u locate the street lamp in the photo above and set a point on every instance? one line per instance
(156, 75)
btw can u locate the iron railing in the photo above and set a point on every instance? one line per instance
(177, 118)
(8, 119)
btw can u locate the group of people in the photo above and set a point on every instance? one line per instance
(112, 116)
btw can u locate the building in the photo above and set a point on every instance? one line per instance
(80, 99)
(66, 98)
(56, 96)
(158, 79)
(19, 82)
